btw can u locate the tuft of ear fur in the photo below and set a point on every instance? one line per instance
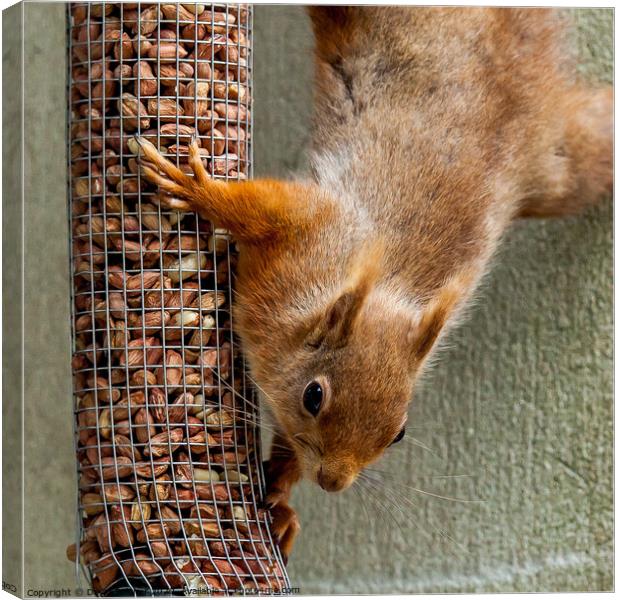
(335, 325)
(423, 334)
(333, 26)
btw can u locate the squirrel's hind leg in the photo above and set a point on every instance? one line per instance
(585, 161)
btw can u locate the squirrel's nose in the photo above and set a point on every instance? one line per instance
(332, 482)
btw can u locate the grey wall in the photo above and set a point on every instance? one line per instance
(50, 486)
(12, 255)
(519, 406)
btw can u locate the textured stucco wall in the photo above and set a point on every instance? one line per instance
(49, 485)
(520, 401)
(11, 302)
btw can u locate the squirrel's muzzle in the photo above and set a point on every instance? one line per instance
(333, 480)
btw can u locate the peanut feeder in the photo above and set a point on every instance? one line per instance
(169, 468)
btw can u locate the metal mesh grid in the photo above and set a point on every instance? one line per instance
(166, 426)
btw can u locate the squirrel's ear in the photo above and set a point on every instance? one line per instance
(425, 330)
(335, 325)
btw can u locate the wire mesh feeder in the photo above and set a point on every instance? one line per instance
(169, 466)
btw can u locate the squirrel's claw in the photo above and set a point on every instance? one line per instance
(284, 527)
(172, 202)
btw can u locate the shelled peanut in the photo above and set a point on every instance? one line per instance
(167, 444)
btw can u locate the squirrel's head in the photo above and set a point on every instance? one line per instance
(339, 379)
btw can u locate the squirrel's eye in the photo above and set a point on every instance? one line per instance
(400, 436)
(313, 396)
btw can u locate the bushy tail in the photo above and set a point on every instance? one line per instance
(588, 148)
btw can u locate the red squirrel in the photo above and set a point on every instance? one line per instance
(434, 129)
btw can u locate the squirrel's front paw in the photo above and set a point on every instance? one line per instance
(281, 476)
(282, 472)
(284, 527)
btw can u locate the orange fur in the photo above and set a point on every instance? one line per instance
(435, 128)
